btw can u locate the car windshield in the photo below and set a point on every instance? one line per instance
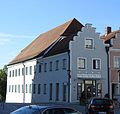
(102, 101)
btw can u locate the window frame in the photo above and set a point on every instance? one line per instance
(89, 46)
(96, 68)
(80, 67)
(116, 62)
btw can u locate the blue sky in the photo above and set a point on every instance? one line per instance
(21, 21)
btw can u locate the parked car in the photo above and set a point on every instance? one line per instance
(35, 109)
(100, 106)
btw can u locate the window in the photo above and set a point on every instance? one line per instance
(30, 70)
(64, 64)
(22, 88)
(30, 88)
(10, 74)
(18, 88)
(51, 66)
(81, 63)
(57, 91)
(13, 73)
(19, 72)
(96, 64)
(45, 67)
(64, 92)
(57, 65)
(40, 67)
(116, 62)
(39, 88)
(26, 88)
(34, 88)
(51, 91)
(89, 43)
(15, 88)
(23, 71)
(26, 71)
(12, 88)
(44, 89)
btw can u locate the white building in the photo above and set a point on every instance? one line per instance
(58, 66)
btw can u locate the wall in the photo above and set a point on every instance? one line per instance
(77, 49)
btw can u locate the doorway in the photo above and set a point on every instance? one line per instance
(90, 88)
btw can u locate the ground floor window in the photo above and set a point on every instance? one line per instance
(57, 91)
(64, 92)
(51, 87)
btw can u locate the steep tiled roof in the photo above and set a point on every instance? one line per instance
(43, 41)
(110, 35)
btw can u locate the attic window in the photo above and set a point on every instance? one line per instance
(89, 43)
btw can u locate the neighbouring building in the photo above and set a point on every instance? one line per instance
(59, 66)
(112, 38)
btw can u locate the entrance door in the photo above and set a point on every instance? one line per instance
(90, 88)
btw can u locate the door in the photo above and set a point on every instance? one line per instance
(90, 88)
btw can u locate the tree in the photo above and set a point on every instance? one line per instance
(3, 83)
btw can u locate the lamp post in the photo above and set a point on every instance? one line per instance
(107, 47)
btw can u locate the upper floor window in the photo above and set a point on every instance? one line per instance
(19, 72)
(57, 64)
(23, 71)
(89, 43)
(80, 63)
(40, 67)
(34, 68)
(117, 62)
(15, 72)
(45, 67)
(96, 64)
(51, 66)
(30, 70)
(10, 73)
(64, 63)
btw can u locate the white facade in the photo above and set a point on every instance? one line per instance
(15, 82)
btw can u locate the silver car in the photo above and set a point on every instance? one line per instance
(36, 109)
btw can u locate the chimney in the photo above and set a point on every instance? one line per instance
(107, 30)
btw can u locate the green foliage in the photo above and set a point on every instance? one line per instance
(3, 83)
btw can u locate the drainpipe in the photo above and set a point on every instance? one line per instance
(107, 47)
(69, 76)
(23, 83)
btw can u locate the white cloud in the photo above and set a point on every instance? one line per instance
(4, 41)
(5, 35)
(5, 38)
